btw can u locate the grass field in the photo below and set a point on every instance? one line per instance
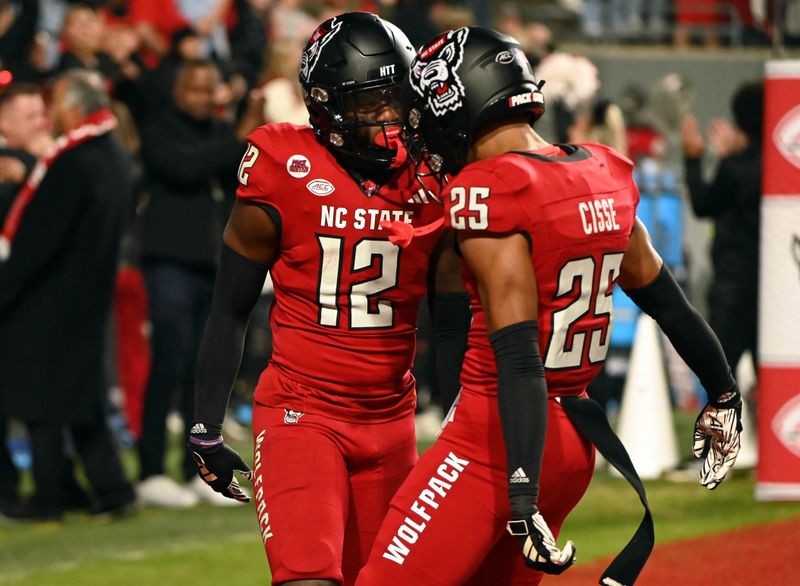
(210, 545)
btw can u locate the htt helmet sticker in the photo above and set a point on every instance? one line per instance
(433, 74)
(321, 37)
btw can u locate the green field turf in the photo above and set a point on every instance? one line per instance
(210, 545)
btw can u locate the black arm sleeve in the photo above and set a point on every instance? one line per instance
(693, 339)
(236, 289)
(522, 398)
(450, 316)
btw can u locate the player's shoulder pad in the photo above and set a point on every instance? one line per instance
(503, 174)
(282, 137)
(611, 157)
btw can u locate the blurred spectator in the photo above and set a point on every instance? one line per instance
(24, 136)
(283, 97)
(290, 23)
(622, 19)
(732, 200)
(249, 40)
(190, 158)
(23, 121)
(536, 38)
(413, 17)
(156, 21)
(643, 139)
(82, 35)
(571, 83)
(24, 125)
(601, 122)
(85, 37)
(186, 45)
(121, 39)
(702, 15)
(55, 294)
(17, 37)
(208, 18)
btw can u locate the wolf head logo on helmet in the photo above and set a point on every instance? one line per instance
(321, 37)
(433, 74)
(463, 82)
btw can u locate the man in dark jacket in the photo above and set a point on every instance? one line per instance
(55, 294)
(190, 160)
(24, 130)
(24, 136)
(733, 201)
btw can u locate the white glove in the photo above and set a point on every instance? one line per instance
(539, 546)
(717, 437)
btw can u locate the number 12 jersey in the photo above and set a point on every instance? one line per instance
(346, 299)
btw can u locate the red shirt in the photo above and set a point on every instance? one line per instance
(346, 299)
(163, 15)
(578, 211)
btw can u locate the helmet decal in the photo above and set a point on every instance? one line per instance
(504, 57)
(321, 37)
(433, 74)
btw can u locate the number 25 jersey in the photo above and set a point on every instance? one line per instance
(346, 299)
(577, 211)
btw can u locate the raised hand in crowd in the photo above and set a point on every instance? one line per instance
(692, 138)
(725, 139)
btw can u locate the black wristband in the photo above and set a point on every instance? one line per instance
(237, 287)
(522, 401)
(730, 398)
(691, 336)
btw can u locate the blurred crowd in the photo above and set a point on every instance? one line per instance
(185, 82)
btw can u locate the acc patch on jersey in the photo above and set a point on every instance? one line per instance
(298, 166)
(320, 187)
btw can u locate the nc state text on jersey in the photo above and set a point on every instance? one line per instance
(598, 215)
(361, 218)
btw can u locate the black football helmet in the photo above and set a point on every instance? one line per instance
(462, 81)
(353, 69)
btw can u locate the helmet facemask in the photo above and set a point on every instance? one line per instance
(427, 166)
(372, 121)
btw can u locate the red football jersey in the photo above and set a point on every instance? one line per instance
(578, 211)
(346, 299)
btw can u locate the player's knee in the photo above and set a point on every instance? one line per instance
(309, 557)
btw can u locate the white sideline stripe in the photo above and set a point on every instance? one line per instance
(129, 555)
(777, 491)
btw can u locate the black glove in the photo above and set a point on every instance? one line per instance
(717, 437)
(217, 461)
(539, 546)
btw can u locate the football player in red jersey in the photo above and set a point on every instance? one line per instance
(546, 232)
(334, 409)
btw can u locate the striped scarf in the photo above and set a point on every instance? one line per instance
(95, 124)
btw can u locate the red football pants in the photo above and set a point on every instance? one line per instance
(446, 525)
(322, 488)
